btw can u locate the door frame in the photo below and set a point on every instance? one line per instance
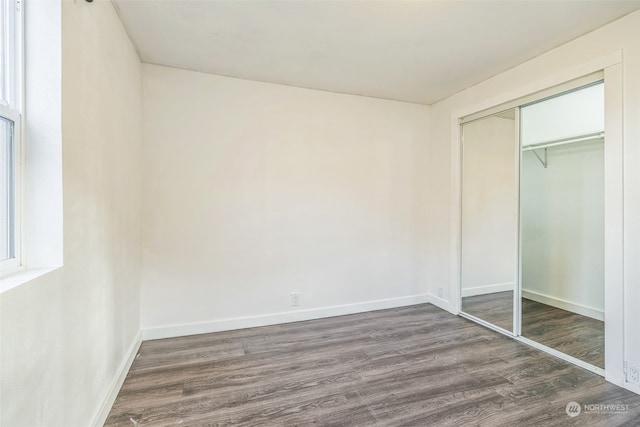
(611, 67)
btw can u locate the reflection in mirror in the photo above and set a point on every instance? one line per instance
(562, 223)
(489, 218)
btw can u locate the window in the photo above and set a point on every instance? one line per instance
(10, 141)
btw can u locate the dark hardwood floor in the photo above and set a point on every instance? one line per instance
(411, 366)
(579, 336)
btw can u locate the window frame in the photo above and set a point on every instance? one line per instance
(11, 110)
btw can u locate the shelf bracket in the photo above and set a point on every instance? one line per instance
(543, 161)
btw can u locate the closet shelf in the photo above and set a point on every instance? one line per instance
(564, 141)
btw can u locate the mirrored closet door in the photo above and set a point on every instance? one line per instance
(489, 218)
(532, 220)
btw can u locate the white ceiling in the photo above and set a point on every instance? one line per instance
(416, 51)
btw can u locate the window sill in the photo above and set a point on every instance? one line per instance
(19, 277)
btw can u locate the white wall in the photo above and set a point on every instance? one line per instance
(65, 335)
(251, 191)
(563, 228)
(545, 70)
(488, 206)
(254, 190)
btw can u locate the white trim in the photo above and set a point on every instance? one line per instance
(632, 387)
(614, 304)
(219, 325)
(442, 303)
(563, 304)
(517, 294)
(455, 212)
(487, 289)
(110, 397)
(17, 277)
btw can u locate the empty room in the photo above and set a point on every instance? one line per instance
(319, 212)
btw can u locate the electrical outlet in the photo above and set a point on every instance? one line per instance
(295, 299)
(440, 292)
(632, 373)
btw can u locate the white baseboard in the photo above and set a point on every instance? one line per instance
(487, 289)
(632, 387)
(278, 318)
(110, 397)
(584, 310)
(441, 303)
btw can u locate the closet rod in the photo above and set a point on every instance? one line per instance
(589, 137)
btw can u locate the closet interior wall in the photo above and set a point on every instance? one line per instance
(562, 202)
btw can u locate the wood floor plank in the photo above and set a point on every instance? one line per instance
(571, 333)
(413, 366)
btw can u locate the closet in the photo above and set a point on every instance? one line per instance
(532, 231)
